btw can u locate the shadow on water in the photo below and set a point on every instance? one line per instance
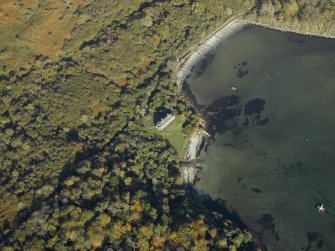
(187, 93)
(219, 206)
(203, 64)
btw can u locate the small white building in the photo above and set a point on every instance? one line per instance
(165, 121)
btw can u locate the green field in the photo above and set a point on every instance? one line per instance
(174, 134)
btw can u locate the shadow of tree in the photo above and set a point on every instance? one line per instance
(207, 203)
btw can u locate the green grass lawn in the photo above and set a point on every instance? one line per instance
(173, 132)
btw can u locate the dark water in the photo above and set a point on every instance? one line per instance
(273, 158)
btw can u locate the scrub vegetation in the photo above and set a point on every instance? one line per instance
(80, 167)
(305, 16)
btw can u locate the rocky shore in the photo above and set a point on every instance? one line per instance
(198, 139)
(194, 58)
(195, 144)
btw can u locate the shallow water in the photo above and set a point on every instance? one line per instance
(273, 158)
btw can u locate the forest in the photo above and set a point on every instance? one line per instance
(80, 167)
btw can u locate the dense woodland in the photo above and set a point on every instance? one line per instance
(80, 170)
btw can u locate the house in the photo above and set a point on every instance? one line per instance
(165, 121)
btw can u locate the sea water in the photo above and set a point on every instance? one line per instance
(270, 97)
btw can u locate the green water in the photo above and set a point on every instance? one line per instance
(274, 174)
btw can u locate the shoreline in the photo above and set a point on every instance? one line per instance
(192, 151)
(197, 141)
(229, 28)
(288, 29)
(200, 138)
(190, 59)
(204, 48)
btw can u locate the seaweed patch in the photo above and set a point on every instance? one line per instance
(242, 70)
(313, 237)
(256, 190)
(254, 106)
(223, 112)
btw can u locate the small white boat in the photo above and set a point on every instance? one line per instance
(320, 208)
